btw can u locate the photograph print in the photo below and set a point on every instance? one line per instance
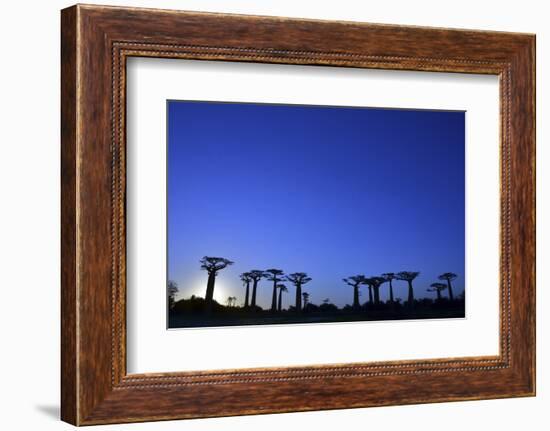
(300, 214)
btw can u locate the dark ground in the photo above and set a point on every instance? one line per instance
(240, 318)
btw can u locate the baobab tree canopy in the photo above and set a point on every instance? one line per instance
(448, 276)
(214, 264)
(256, 274)
(377, 281)
(300, 278)
(407, 275)
(246, 277)
(437, 286)
(273, 274)
(354, 280)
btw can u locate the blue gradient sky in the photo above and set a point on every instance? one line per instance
(331, 191)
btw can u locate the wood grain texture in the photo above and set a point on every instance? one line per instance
(69, 397)
(96, 41)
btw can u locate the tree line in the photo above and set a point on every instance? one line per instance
(277, 277)
(374, 283)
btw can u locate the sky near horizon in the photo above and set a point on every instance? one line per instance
(331, 191)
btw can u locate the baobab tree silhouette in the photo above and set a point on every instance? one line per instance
(298, 279)
(306, 299)
(389, 277)
(408, 276)
(282, 288)
(274, 275)
(355, 281)
(231, 300)
(256, 275)
(246, 279)
(437, 288)
(194, 311)
(212, 265)
(448, 276)
(172, 289)
(376, 282)
(368, 282)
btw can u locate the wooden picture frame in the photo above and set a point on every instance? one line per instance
(95, 43)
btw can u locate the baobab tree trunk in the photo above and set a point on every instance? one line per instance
(254, 288)
(376, 294)
(210, 290)
(370, 294)
(246, 294)
(411, 294)
(298, 298)
(356, 296)
(391, 292)
(279, 305)
(450, 290)
(274, 296)
(438, 294)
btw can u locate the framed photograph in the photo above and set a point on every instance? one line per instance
(311, 178)
(266, 215)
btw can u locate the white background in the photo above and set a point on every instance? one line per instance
(152, 349)
(29, 225)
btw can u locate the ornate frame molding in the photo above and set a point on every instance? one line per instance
(96, 41)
